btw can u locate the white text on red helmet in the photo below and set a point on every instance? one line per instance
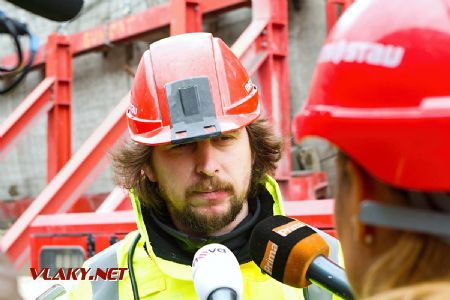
(376, 54)
(133, 109)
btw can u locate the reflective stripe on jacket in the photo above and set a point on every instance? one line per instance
(162, 279)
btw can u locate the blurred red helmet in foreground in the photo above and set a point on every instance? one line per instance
(381, 92)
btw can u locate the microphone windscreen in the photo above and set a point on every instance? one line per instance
(214, 266)
(56, 10)
(284, 248)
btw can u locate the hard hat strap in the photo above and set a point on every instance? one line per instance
(405, 218)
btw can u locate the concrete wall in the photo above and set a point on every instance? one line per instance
(100, 79)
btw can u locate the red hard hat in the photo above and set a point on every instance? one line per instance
(189, 87)
(381, 92)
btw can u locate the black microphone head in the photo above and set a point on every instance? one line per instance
(56, 10)
(284, 248)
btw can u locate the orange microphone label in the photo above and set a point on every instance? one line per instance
(288, 228)
(269, 257)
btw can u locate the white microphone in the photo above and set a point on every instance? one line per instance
(216, 273)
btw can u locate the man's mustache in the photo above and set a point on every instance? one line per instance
(212, 184)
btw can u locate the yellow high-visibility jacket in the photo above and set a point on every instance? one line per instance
(158, 278)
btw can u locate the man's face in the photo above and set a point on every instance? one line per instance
(204, 183)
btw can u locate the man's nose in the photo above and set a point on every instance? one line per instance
(206, 159)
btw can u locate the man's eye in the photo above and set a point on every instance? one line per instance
(224, 138)
(181, 146)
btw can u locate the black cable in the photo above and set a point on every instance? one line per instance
(130, 267)
(16, 29)
(25, 69)
(8, 26)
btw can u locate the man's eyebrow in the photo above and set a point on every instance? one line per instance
(171, 145)
(234, 132)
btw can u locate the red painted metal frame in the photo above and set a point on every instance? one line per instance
(128, 28)
(186, 16)
(68, 185)
(117, 200)
(21, 120)
(10, 210)
(308, 185)
(55, 230)
(53, 95)
(318, 213)
(262, 48)
(71, 229)
(334, 9)
(58, 64)
(117, 31)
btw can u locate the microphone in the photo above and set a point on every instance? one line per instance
(216, 273)
(52, 293)
(55, 10)
(295, 254)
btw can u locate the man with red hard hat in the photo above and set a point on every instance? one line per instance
(381, 95)
(197, 167)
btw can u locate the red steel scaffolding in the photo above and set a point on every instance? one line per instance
(262, 48)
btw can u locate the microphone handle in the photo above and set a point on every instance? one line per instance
(326, 274)
(223, 293)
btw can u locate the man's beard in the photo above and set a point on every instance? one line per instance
(203, 224)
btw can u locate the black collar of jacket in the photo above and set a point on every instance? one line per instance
(170, 244)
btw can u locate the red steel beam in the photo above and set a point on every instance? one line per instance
(334, 9)
(113, 201)
(127, 28)
(69, 229)
(67, 186)
(61, 193)
(318, 213)
(116, 31)
(186, 16)
(248, 43)
(16, 125)
(58, 64)
(85, 222)
(263, 50)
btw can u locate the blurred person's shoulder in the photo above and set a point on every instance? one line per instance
(8, 280)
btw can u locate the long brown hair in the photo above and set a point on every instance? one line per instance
(130, 158)
(414, 258)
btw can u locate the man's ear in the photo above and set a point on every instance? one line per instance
(148, 171)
